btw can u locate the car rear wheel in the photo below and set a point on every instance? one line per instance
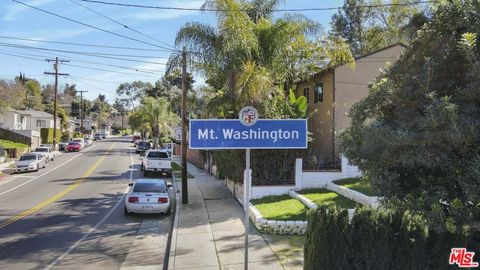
(38, 168)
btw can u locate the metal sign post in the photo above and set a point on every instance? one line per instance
(246, 202)
(248, 133)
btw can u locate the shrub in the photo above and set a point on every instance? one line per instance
(379, 239)
(46, 135)
(66, 136)
(416, 133)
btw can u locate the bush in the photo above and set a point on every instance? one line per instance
(379, 239)
(46, 135)
(66, 136)
(416, 134)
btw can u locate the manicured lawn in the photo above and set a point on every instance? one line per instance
(324, 196)
(281, 207)
(177, 170)
(359, 185)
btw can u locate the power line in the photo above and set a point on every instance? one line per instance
(73, 59)
(123, 25)
(79, 66)
(84, 45)
(92, 54)
(230, 10)
(89, 25)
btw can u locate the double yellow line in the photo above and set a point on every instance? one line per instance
(56, 197)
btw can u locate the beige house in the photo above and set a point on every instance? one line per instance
(331, 93)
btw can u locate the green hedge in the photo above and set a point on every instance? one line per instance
(378, 239)
(46, 135)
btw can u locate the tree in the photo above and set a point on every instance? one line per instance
(243, 57)
(156, 111)
(12, 95)
(34, 95)
(133, 92)
(370, 29)
(415, 135)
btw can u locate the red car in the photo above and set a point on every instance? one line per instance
(73, 146)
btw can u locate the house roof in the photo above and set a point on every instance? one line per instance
(316, 75)
(33, 113)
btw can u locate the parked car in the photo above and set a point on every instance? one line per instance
(47, 145)
(45, 151)
(87, 142)
(104, 136)
(79, 141)
(73, 147)
(29, 162)
(156, 161)
(136, 139)
(142, 147)
(148, 196)
(62, 145)
(97, 137)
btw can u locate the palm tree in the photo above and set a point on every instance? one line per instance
(244, 57)
(157, 112)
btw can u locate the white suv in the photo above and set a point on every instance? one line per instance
(156, 160)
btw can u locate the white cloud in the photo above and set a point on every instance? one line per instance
(158, 14)
(14, 9)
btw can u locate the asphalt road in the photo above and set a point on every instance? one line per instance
(70, 215)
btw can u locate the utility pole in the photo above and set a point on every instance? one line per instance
(184, 128)
(81, 111)
(55, 67)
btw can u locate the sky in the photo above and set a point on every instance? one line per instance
(100, 75)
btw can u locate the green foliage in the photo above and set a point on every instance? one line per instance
(46, 134)
(416, 134)
(368, 29)
(378, 239)
(327, 197)
(66, 136)
(5, 144)
(359, 184)
(281, 207)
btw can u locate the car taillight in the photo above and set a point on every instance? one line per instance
(133, 199)
(162, 200)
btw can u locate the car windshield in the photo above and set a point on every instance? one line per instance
(150, 187)
(74, 143)
(144, 144)
(28, 157)
(41, 149)
(157, 154)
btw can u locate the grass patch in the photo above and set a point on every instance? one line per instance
(10, 144)
(358, 184)
(324, 196)
(281, 207)
(177, 171)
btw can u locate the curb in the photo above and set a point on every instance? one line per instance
(170, 261)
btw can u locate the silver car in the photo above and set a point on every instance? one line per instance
(30, 162)
(148, 196)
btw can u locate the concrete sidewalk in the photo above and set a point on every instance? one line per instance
(209, 232)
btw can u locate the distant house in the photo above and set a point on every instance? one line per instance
(27, 123)
(331, 94)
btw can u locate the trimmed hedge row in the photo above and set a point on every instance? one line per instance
(378, 239)
(46, 134)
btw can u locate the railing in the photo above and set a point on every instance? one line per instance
(315, 164)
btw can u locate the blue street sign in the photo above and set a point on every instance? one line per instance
(264, 134)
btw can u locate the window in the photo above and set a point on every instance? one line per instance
(306, 93)
(318, 92)
(41, 123)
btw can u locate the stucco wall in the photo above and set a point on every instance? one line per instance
(320, 120)
(351, 84)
